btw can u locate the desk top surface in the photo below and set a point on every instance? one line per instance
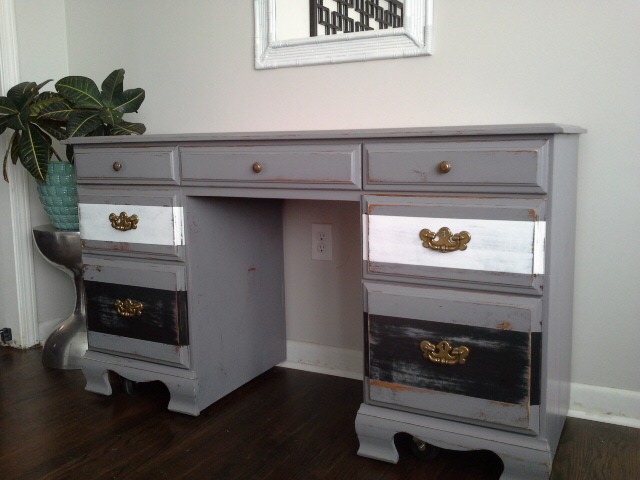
(472, 130)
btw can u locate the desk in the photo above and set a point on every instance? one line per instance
(467, 272)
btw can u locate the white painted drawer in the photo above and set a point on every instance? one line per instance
(157, 224)
(506, 246)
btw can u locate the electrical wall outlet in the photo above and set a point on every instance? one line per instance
(321, 242)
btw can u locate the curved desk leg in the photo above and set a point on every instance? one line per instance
(526, 458)
(182, 384)
(97, 377)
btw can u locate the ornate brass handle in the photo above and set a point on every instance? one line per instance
(443, 353)
(257, 167)
(129, 308)
(445, 242)
(123, 221)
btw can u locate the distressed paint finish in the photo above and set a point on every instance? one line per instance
(163, 317)
(507, 166)
(497, 367)
(155, 352)
(286, 166)
(507, 245)
(525, 457)
(232, 259)
(157, 225)
(495, 385)
(495, 246)
(138, 165)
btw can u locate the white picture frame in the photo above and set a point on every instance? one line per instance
(413, 39)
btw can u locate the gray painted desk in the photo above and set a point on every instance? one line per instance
(467, 272)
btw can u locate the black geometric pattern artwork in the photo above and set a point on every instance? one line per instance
(345, 16)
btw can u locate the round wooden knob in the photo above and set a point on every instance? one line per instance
(257, 167)
(117, 166)
(444, 167)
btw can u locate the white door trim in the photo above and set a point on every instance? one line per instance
(21, 248)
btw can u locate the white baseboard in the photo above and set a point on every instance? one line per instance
(340, 362)
(600, 404)
(603, 404)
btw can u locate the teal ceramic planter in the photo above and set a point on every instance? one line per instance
(59, 195)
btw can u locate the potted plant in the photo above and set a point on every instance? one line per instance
(76, 109)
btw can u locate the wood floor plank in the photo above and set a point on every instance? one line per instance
(285, 424)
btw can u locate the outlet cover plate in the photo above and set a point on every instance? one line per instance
(321, 242)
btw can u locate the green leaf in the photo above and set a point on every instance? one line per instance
(112, 85)
(13, 145)
(39, 87)
(101, 131)
(5, 174)
(82, 122)
(22, 93)
(127, 128)
(43, 100)
(129, 100)
(19, 121)
(57, 111)
(81, 91)
(70, 155)
(3, 123)
(111, 117)
(34, 152)
(56, 131)
(7, 107)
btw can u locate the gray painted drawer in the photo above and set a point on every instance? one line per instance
(137, 309)
(508, 166)
(497, 380)
(286, 166)
(141, 165)
(504, 251)
(159, 230)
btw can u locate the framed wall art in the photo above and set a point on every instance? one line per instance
(291, 33)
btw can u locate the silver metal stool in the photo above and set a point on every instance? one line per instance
(66, 345)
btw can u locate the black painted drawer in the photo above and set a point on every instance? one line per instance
(137, 309)
(161, 317)
(495, 380)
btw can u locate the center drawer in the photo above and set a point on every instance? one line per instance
(286, 166)
(137, 309)
(470, 355)
(483, 243)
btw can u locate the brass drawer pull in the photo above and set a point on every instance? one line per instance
(129, 308)
(123, 221)
(446, 242)
(257, 167)
(444, 167)
(443, 353)
(117, 166)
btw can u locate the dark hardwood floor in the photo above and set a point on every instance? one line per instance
(286, 424)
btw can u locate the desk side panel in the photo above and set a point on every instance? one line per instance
(236, 291)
